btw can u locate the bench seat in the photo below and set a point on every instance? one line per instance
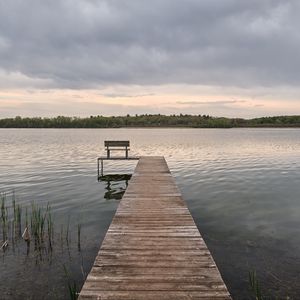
(117, 146)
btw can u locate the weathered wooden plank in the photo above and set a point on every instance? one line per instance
(151, 295)
(170, 272)
(178, 278)
(153, 252)
(147, 285)
(153, 249)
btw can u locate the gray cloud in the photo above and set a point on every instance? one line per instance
(122, 95)
(89, 43)
(211, 103)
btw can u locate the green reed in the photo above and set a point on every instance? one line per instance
(72, 286)
(39, 229)
(254, 285)
(4, 218)
(256, 289)
(38, 226)
(26, 217)
(17, 217)
(37, 223)
(79, 237)
(50, 227)
(68, 231)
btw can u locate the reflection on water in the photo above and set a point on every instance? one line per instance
(241, 186)
(116, 185)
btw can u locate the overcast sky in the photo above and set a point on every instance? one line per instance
(89, 57)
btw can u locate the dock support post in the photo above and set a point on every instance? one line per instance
(101, 167)
(98, 167)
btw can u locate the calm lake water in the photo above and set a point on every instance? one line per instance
(242, 187)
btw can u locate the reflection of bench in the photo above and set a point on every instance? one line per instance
(116, 146)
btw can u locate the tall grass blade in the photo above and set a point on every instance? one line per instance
(254, 284)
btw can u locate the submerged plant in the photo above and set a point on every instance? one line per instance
(78, 236)
(37, 223)
(32, 228)
(68, 229)
(50, 227)
(17, 216)
(254, 284)
(4, 218)
(41, 226)
(72, 286)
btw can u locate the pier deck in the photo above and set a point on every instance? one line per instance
(153, 249)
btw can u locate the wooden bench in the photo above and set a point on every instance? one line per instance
(117, 146)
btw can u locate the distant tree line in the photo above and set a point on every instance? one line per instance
(158, 120)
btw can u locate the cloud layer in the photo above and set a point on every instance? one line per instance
(92, 44)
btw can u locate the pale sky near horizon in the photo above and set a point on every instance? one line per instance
(230, 58)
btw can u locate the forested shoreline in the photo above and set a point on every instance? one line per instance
(193, 121)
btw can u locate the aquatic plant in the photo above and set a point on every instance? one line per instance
(10, 227)
(17, 216)
(35, 225)
(67, 231)
(50, 227)
(254, 285)
(4, 218)
(72, 286)
(26, 217)
(256, 289)
(38, 225)
(78, 236)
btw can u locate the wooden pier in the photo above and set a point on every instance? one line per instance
(153, 249)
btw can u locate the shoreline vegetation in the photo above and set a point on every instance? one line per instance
(42, 244)
(148, 120)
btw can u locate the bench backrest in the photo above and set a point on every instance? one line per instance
(116, 143)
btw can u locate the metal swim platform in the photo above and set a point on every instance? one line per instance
(153, 249)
